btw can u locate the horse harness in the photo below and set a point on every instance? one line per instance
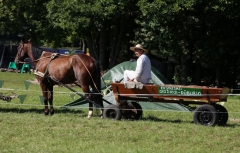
(46, 73)
(48, 77)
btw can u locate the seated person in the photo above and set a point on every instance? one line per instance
(143, 70)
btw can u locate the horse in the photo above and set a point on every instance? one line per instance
(52, 68)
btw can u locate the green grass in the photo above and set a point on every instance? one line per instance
(24, 128)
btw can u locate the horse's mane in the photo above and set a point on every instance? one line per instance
(36, 51)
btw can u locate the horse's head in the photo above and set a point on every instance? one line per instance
(22, 52)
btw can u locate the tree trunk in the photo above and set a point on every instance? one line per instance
(197, 76)
(120, 29)
(170, 72)
(103, 58)
(184, 72)
(91, 40)
(83, 46)
(218, 80)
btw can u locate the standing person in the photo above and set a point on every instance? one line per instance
(143, 70)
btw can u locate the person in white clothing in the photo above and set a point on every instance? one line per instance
(143, 70)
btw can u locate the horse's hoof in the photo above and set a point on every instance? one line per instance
(52, 112)
(46, 113)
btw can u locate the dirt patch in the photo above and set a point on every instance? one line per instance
(234, 120)
(35, 81)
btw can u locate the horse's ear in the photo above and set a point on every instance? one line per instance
(22, 40)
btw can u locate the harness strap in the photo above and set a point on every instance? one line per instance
(41, 74)
(54, 55)
(91, 77)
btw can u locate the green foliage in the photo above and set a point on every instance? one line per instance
(190, 31)
(180, 32)
(80, 16)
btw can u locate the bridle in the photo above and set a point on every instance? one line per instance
(20, 53)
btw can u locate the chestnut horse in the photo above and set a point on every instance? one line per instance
(52, 68)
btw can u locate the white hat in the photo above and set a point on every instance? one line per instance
(138, 46)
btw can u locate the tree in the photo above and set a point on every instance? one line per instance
(198, 37)
(105, 25)
(190, 34)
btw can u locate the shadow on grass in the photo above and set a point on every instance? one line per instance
(231, 125)
(40, 111)
(156, 119)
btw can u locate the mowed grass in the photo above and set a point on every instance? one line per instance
(24, 127)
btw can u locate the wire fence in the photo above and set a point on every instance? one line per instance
(29, 92)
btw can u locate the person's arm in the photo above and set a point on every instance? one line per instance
(139, 68)
(131, 79)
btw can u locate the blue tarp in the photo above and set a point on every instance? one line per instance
(67, 51)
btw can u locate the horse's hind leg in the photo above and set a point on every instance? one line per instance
(97, 98)
(50, 99)
(86, 91)
(90, 111)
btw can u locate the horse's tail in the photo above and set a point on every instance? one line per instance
(97, 80)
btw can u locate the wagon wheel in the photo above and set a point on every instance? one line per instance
(134, 111)
(223, 114)
(206, 115)
(112, 112)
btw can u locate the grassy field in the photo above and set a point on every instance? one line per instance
(24, 128)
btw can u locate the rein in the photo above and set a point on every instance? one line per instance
(22, 49)
(82, 63)
(52, 57)
(91, 77)
(35, 60)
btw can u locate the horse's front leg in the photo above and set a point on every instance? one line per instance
(45, 98)
(50, 99)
